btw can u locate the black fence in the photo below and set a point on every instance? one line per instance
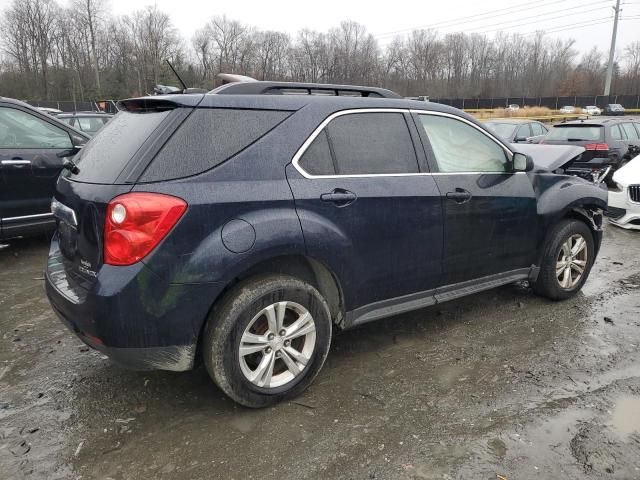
(71, 106)
(627, 101)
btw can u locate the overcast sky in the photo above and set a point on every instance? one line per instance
(380, 18)
(589, 22)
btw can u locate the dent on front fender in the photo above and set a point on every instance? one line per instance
(559, 194)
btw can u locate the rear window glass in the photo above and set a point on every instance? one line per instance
(207, 138)
(103, 158)
(575, 133)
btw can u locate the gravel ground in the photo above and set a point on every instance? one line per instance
(499, 385)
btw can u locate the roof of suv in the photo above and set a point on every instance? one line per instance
(285, 102)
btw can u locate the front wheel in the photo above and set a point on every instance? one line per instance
(267, 340)
(567, 259)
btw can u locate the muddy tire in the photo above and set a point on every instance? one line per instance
(267, 339)
(567, 259)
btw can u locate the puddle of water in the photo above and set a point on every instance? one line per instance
(625, 418)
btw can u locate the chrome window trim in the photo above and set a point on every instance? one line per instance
(298, 155)
(39, 215)
(325, 122)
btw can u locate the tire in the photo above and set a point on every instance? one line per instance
(550, 283)
(242, 318)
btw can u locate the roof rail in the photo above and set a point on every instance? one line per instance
(296, 88)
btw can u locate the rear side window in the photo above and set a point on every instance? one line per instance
(576, 133)
(630, 130)
(103, 158)
(207, 138)
(362, 144)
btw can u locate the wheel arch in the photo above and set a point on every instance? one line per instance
(303, 267)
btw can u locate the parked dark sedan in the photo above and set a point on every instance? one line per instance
(517, 131)
(30, 142)
(88, 122)
(613, 109)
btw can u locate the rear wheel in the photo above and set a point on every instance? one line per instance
(567, 260)
(267, 339)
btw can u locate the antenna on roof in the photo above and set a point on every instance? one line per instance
(184, 85)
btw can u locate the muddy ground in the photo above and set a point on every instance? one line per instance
(500, 385)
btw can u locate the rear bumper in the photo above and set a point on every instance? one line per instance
(130, 314)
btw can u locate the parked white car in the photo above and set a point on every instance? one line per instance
(568, 109)
(592, 110)
(513, 107)
(624, 201)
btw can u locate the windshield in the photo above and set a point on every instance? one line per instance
(575, 133)
(505, 130)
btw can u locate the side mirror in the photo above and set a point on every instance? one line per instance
(68, 153)
(522, 162)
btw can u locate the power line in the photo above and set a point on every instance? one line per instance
(527, 22)
(571, 26)
(471, 18)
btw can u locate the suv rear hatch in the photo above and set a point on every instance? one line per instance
(107, 167)
(587, 135)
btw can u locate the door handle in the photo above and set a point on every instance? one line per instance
(339, 197)
(459, 196)
(18, 162)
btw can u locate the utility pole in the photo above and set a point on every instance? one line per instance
(612, 50)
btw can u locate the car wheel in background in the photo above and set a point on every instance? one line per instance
(267, 339)
(567, 259)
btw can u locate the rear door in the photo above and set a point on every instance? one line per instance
(367, 207)
(29, 165)
(633, 135)
(490, 215)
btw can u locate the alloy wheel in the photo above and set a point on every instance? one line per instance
(572, 261)
(277, 344)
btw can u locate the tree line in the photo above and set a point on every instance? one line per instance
(80, 51)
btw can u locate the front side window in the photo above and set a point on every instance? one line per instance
(20, 129)
(459, 147)
(372, 143)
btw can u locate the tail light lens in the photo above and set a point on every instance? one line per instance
(600, 147)
(135, 224)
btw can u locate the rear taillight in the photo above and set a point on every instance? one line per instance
(135, 224)
(596, 147)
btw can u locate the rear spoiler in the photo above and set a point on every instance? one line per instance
(159, 103)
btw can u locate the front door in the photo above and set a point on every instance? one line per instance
(367, 208)
(490, 214)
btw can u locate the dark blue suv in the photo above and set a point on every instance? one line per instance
(243, 226)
